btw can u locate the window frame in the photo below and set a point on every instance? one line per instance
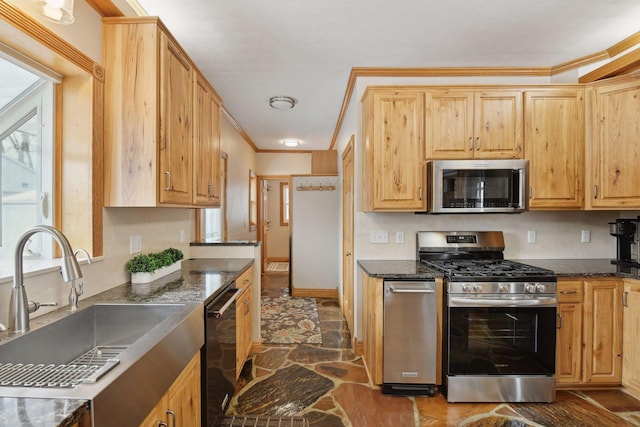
(284, 203)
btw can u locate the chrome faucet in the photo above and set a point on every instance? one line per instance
(19, 307)
(74, 293)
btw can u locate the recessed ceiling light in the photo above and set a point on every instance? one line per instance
(291, 142)
(282, 102)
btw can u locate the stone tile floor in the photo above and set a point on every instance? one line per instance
(328, 385)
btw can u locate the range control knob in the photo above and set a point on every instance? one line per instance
(466, 288)
(530, 288)
(503, 288)
(477, 288)
(541, 288)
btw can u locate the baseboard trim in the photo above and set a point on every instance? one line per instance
(314, 293)
(358, 346)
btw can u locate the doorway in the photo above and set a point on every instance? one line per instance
(274, 226)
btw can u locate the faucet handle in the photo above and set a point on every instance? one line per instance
(35, 305)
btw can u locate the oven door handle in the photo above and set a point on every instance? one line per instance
(550, 301)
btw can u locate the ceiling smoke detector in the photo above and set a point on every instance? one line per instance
(282, 102)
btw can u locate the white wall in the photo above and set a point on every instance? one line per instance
(283, 163)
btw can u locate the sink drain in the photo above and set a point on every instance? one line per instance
(87, 368)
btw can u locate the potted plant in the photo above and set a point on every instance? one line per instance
(145, 268)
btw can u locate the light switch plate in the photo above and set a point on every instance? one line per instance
(379, 237)
(531, 236)
(399, 236)
(586, 236)
(135, 244)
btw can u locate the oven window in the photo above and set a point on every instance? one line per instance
(501, 341)
(479, 188)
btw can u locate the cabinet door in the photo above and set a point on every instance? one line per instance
(603, 331)
(631, 341)
(157, 415)
(183, 398)
(176, 105)
(243, 328)
(372, 326)
(206, 145)
(449, 125)
(569, 344)
(393, 163)
(554, 146)
(497, 125)
(615, 146)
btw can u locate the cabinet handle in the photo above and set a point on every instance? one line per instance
(559, 321)
(212, 190)
(625, 302)
(347, 253)
(531, 192)
(420, 192)
(571, 291)
(470, 143)
(162, 424)
(595, 191)
(246, 307)
(168, 187)
(478, 143)
(173, 417)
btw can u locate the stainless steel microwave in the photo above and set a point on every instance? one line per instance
(477, 186)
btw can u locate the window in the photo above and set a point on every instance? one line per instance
(284, 204)
(26, 166)
(253, 200)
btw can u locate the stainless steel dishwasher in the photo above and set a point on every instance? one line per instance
(409, 338)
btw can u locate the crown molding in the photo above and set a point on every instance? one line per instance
(238, 128)
(625, 64)
(105, 8)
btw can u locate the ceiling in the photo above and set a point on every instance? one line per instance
(251, 50)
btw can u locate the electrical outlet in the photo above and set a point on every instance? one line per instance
(379, 237)
(586, 236)
(399, 236)
(135, 244)
(531, 236)
(181, 236)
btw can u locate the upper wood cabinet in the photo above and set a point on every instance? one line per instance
(613, 137)
(157, 119)
(465, 124)
(206, 145)
(554, 146)
(393, 156)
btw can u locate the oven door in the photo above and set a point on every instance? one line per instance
(501, 335)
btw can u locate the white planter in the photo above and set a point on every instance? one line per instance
(150, 277)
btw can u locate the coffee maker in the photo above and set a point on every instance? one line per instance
(625, 230)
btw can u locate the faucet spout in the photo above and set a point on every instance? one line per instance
(19, 306)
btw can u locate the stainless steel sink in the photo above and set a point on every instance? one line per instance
(145, 346)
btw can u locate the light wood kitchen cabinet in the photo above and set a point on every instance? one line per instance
(393, 152)
(569, 332)
(613, 141)
(180, 406)
(372, 326)
(206, 144)
(244, 319)
(599, 363)
(161, 120)
(554, 146)
(466, 124)
(631, 337)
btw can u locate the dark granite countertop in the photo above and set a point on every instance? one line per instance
(398, 269)
(199, 281)
(575, 267)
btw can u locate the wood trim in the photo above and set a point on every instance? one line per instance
(623, 45)
(236, 126)
(47, 38)
(351, 83)
(580, 62)
(358, 346)
(315, 293)
(105, 8)
(58, 165)
(97, 168)
(626, 63)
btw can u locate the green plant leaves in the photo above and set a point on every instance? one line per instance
(148, 263)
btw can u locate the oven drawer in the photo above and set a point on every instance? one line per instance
(570, 291)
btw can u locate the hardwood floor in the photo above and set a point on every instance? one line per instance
(328, 385)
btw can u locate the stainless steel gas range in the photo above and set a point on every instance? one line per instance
(499, 319)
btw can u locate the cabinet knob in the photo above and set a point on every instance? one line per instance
(478, 143)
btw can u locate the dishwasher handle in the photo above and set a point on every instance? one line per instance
(217, 313)
(400, 290)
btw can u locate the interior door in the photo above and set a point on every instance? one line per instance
(347, 235)
(264, 220)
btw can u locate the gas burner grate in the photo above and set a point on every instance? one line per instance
(87, 368)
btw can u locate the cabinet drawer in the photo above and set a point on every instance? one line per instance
(570, 291)
(245, 279)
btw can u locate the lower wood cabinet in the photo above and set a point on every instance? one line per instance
(244, 319)
(589, 336)
(180, 406)
(631, 338)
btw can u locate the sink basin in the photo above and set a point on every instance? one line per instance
(145, 346)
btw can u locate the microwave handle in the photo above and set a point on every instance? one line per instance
(523, 182)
